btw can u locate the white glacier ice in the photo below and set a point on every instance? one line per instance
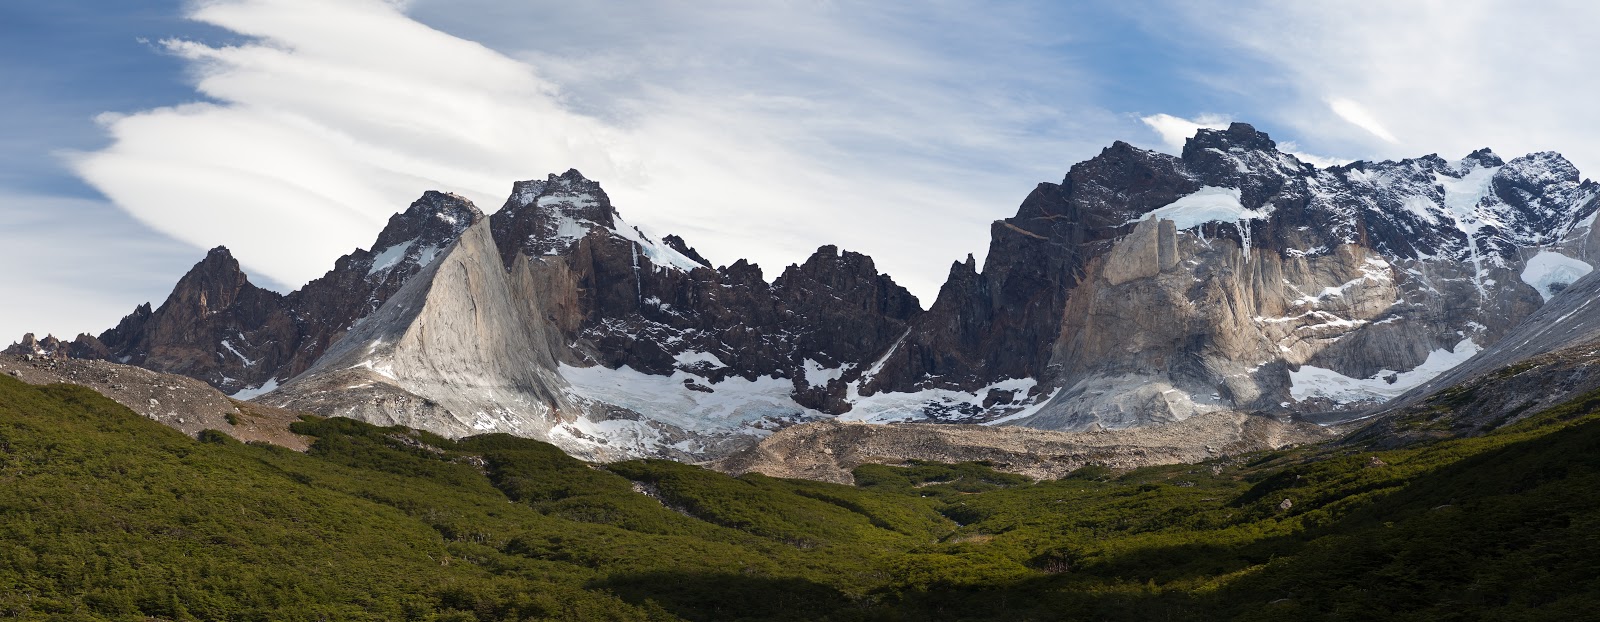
(1550, 269)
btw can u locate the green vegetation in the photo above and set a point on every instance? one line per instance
(105, 515)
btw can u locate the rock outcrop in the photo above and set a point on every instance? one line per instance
(180, 402)
(829, 450)
(1551, 357)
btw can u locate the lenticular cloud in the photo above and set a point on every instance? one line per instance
(332, 115)
(316, 133)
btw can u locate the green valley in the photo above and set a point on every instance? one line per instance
(105, 515)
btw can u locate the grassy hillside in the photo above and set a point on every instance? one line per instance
(106, 515)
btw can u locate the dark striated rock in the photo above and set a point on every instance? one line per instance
(212, 327)
(838, 310)
(645, 304)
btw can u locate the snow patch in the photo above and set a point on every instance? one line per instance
(247, 361)
(382, 368)
(1025, 412)
(636, 438)
(1210, 204)
(1462, 195)
(819, 376)
(568, 231)
(914, 406)
(877, 366)
(1423, 208)
(1316, 382)
(661, 255)
(251, 392)
(1549, 269)
(733, 403)
(387, 259)
(573, 200)
(692, 360)
(426, 255)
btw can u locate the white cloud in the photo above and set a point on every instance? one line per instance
(78, 265)
(1358, 116)
(340, 115)
(1175, 131)
(1320, 161)
(754, 131)
(1445, 77)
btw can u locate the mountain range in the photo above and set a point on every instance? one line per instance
(1142, 290)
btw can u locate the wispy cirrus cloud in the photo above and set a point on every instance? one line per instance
(1359, 116)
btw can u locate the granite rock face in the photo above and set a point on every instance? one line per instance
(457, 350)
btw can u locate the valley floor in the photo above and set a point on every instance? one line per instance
(107, 515)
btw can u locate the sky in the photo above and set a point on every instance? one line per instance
(134, 136)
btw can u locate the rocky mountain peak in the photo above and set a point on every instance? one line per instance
(1484, 157)
(220, 259)
(85, 346)
(569, 195)
(434, 218)
(130, 325)
(828, 260)
(741, 271)
(30, 345)
(1243, 158)
(549, 216)
(1238, 136)
(212, 284)
(852, 276)
(572, 181)
(1107, 191)
(676, 243)
(1532, 172)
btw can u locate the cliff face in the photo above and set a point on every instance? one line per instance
(1146, 288)
(457, 350)
(218, 327)
(1142, 289)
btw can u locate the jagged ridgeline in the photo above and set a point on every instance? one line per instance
(1142, 289)
(108, 515)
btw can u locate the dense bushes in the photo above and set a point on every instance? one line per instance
(106, 515)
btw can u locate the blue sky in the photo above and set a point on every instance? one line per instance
(135, 135)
